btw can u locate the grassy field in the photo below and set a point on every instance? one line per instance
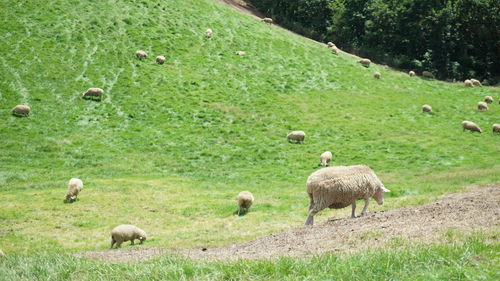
(171, 145)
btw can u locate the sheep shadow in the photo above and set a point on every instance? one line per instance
(92, 99)
(240, 213)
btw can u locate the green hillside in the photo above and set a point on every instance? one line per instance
(171, 145)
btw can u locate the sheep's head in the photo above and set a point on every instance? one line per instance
(379, 195)
(142, 236)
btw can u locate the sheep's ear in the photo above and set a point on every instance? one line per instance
(385, 189)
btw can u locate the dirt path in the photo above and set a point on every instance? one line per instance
(477, 208)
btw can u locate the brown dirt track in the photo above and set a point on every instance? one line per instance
(475, 209)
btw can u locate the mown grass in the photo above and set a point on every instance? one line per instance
(171, 145)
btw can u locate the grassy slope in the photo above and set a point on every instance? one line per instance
(170, 146)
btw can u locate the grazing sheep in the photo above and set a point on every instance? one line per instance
(340, 186)
(482, 106)
(74, 187)
(365, 62)
(160, 59)
(267, 20)
(325, 158)
(208, 33)
(126, 232)
(330, 45)
(92, 93)
(21, 110)
(245, 201)
(335, 50)
(426, 108)
(297, 136)
(140, 54)
(427, 74)
(376, 75)
(496, 128)
(476, 83)
(471, 126)
(488, 99)
(240, 53)
(411, 73)
(468, 83)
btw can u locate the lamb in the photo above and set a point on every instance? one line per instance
(488, 99)
(411, 73)
(21, 110)
(468, 83)
(160, 59)
(335, 50)
(330, 45)
(92, 93)
(297, 136)
(365, 62)
(208, 33)
(471, 126)
(74, 187)
(267, 20)
(496, 129)
(427, 74)
(340, 186)
(426, 108)
(240, 53)
(482, 106)
(325, 158)
(126, 232)
(376, 75)
(245, 201)
(140, 54)
(476, 83)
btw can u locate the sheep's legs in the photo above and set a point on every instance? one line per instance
(132, 243)
(112, 243)
(365, 207)
(353, 214)
(310, 218)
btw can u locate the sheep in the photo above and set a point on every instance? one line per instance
(267, 20)
(335, 50)
(376, 75)
(74, 187)
(93, 92)
(297, 136)
(21, 110)
(427, 74)
(482, 106)
(340, 186)
(330, 45)
(468, 83)
(140, 54)
(488, 99)
(240, 53)
(476, 83)
(160, 59)
(426, 108)
(325, 158)
(365, 62)
(496, 129)
(245, 201)
(208, 33)
(411, 73)
(471, 126)
(126, 232)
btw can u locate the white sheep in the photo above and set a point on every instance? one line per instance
(427, 74)
(471, 126)
(411, 73)
(208, 33)
(330, 45)
(126, 232)
(245, 200)
(488, 99)
(468, 83)
(335, 50)
(426, 108)
(140, 54)
(365, 62)
(482, 106)
(297, 136)
(160, 59)
(240, 53)
(267, 20)
(376, 75)
(496, 128)
(325, 158)
(340, 186)
(75, 186)
(21, 110)
(92, 93)
(476, 83)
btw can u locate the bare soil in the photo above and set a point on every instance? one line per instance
(475, 209)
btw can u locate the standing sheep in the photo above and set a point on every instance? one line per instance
(330, 45)
(468, 83)
(297, 136)
(74, 187)
(426, 108)
(476, 83)
(140, 54)
(365, 62)
(376, 75)
(21, 110)
(126, 232)
(93, 93)
(267, 20)
(325, 158)
(488, 99)
(240, 53)
(335, 50)
(411, 73)
(340, 186)
(160, 59)
(471, 126)
(208, 33)
(496, 129)
(245, 200)
(482, 106)
(427, 74)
